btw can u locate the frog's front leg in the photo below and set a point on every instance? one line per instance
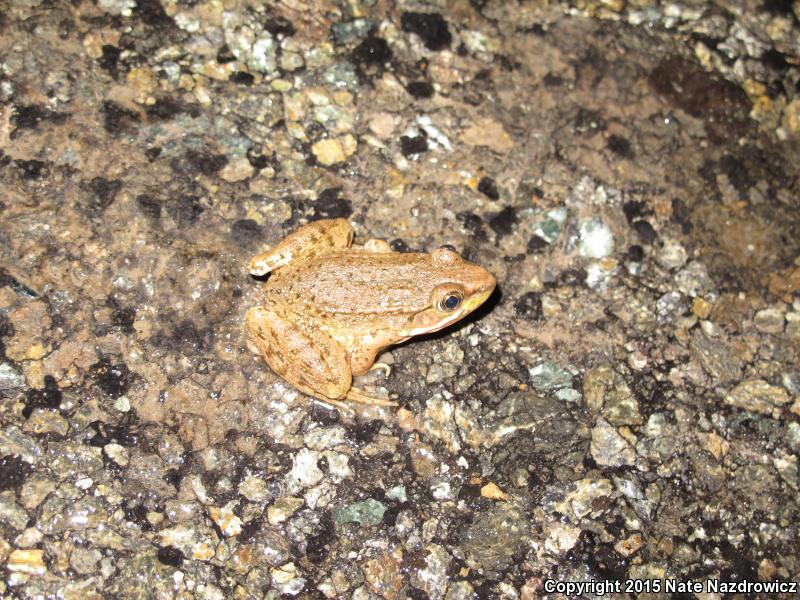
(313, 239)
(308, 358)
(366, 349)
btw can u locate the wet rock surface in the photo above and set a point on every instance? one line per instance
(627, 405)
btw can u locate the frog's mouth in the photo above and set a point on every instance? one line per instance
(431, 319)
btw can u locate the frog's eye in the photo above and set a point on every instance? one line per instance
(450, 301)
(448, 247)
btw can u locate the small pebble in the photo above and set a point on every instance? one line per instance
(672, 255)
(237, 170)
(769, 320)
(29, 560)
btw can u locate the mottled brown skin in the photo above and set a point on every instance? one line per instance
(330, 309)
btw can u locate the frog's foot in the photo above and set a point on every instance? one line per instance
(381, 366)
(313, 239)
(309, 359)
(342, 406)
(355, 395)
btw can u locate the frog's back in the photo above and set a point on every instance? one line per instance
(357, 282)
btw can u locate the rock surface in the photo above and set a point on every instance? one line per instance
(626, 406)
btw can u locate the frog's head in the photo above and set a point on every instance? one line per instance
(458, 288)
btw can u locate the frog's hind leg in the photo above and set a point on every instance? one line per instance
(313, 239)
(309, 359)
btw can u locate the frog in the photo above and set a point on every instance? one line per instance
(330, 307)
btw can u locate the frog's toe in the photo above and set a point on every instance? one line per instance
(313, 239)
(355, 395)
(381, 366)
(264, 263)
(338, 404)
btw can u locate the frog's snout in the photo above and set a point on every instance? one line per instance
(480, 282)
(490, 282)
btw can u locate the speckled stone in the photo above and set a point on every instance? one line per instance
(693, 280)
(609, 447)
(196, 542)
(305, 472)
(494, 536)
(672, 255)
(639, 219)
(226, 520)
(85, 560)
(44, 421)
(769, 320)
(793, 435)
(254, 489)
(758, 396)
(72, 458)
(10, 378)
(384, 575)
(660, 440)
(596, 239)
(716, 357)
(237, 170)
(368, 512)
(27, 560)
(69, 510)
(607, 393)
(548, 376)
(578, 499)
(669, 306)
(450, 359)
(282, 509)
(11, 514)
(35, 489)
(432, 577)
(15, 443)
(561, 537)
(334, 150)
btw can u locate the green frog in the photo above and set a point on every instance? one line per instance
(330, 308)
